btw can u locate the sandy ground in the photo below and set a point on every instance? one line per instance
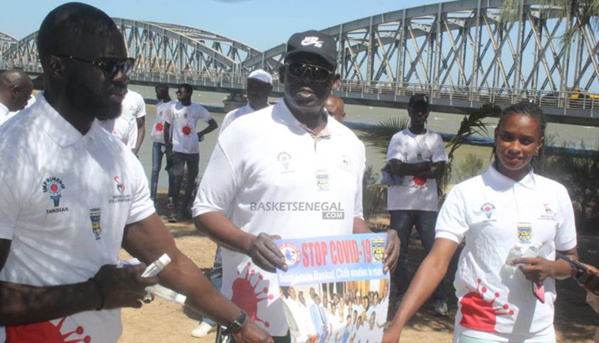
(166, 322)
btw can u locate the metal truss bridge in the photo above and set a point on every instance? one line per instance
(460, 53)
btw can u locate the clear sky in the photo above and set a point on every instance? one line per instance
(262, 24)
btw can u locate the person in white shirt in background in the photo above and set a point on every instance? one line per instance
(259, 86)
(15, 91)
(183, 147)
(417, 157)
(501, 297)
(126, 127)
(158, 147)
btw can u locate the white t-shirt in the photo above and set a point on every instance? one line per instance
(158, 128)
(125, 126)
(183, 121)
(236, 113)
(493, 213)
(66, 199)
(415, 193)
(281, 181)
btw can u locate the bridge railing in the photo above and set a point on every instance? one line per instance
(387, 91)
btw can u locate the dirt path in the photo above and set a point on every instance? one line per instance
(165, 322)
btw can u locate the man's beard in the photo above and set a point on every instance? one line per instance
(97, 105)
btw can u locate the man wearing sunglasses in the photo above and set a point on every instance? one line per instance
(276, 173)
(74, 195)
(15, 92)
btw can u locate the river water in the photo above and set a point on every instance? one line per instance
(439, 122)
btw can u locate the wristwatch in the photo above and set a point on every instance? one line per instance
(235, 326)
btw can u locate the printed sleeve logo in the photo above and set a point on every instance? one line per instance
(312, 41)
(53, 186)
(291, 253)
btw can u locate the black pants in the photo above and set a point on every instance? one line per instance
(193, 164)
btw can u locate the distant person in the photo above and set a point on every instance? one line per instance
(74, 195)
(259, 86)
(182, 146)
(418, 157)
(126, 126)
(158, 146)
(335, 107)
(506, 212)
(15, 91)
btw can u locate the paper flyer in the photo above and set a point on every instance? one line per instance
(335, 289)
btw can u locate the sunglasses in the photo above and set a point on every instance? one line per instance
(318, 73)
(110, 67)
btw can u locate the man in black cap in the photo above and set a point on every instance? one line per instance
(276, 173)
(74, 195)
(418, 157)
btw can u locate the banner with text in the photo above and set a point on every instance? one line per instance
(335, 289)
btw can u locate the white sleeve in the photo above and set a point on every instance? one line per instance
(131, 135)
(141, 107)
(141, 204)
(16, 181)
(226, 121)
(358, 207)
(218, 186)
(451, 222)
(565, 238)
(394, 148)
(439, 153)
(204, 115)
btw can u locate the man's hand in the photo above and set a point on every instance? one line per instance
(265, 253)
(123, 287)
(200, 137)
(535, 269)
(391, 251)
(589, 279)
(250, 333)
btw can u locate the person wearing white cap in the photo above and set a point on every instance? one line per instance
(259, 86)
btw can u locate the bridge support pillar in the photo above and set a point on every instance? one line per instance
(233, 101)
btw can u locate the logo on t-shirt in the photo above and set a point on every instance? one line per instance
(488, 209)
(186, 130)
(121, 197)
(291, 253)
(524, 232)
(159, 127)
(94, 215)
(322, 180)
(53, 186)
(549, 213)
(284, 160)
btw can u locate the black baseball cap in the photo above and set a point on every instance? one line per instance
(419, 100)
(313, 42)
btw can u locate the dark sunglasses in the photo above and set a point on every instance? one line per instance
(318, 73)
(110, 67)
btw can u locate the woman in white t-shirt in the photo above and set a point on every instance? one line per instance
(504, 215)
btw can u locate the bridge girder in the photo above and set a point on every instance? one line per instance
(159, 48)
(461, 45)
(6, 41)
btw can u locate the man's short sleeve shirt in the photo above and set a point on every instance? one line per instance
(158, 127)
(183, 121)
(67, 198)
(415, 193)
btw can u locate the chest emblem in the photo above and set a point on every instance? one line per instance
(94, 216)
(284, 160)
(488, 209)
(53, 186)
(119, 185)
(322, 180)
(524, 232)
